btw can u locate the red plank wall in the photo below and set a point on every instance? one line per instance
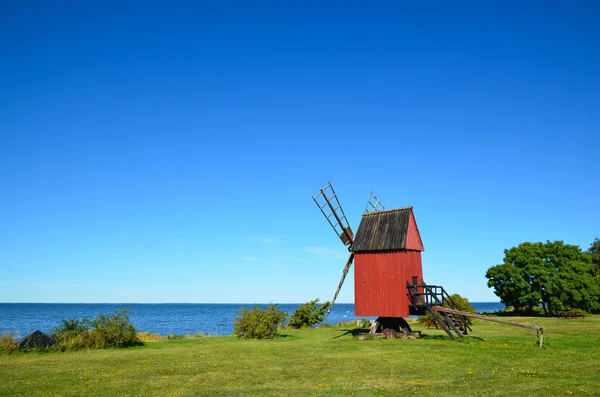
(380, 282)
(413, 238)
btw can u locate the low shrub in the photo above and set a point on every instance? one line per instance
(525, 311)
(8, 342)
(114, 330)
(104, 331)
(259, 322)
(309, 314)
(146, 336)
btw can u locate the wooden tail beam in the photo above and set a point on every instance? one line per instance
(540, 330)
(482, 317)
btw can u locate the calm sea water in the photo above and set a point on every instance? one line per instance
(163, 319)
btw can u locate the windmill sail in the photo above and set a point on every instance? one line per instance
(330, 206)
(374, 204)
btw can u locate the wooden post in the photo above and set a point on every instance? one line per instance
(374, 326)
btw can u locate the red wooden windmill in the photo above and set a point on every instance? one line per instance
(388, 275)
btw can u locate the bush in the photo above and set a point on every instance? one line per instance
(114, 330)
(104, 331)
(463, 304)
(535, 311)
(146, 336)
(259, 322)
(309, 314)
(72, 334)
(8, 342)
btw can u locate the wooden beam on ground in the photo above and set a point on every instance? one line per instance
(486, 318)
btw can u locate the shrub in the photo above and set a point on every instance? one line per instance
(104, 331)
(70, 327)
(72, 334)
(114, 330)
(524, 311)
(463, 304)
(309, 314)
(146, 336)
(259, 322)
(8, 342)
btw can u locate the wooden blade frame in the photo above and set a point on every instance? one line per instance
(374, 204)
(330, 206)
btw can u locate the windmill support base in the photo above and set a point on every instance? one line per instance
(392, 327)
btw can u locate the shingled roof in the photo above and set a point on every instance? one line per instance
(389, 230)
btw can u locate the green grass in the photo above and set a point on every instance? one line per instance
(496, 360)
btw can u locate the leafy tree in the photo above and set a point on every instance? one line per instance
(594, 252)
(512, 280)
(309, 314)
(556, 275)
(259, 322)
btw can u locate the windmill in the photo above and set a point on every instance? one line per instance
(388, 275)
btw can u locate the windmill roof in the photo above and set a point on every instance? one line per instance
(388, 230)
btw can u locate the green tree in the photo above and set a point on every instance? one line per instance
(594, 252)
(556, 275)
(309, 314)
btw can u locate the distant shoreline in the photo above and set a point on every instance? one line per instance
(188, 303)
(162, 318)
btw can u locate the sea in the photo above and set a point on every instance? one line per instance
(163, 319)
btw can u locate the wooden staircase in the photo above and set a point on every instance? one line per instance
(426, 298)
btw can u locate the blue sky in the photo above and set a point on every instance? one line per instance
(168, 151)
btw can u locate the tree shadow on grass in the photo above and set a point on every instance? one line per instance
(353, 332)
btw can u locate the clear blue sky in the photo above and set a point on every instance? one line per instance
(168, 151)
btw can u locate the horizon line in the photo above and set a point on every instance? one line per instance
(184, 303)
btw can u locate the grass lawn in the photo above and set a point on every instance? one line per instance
(495, 360)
